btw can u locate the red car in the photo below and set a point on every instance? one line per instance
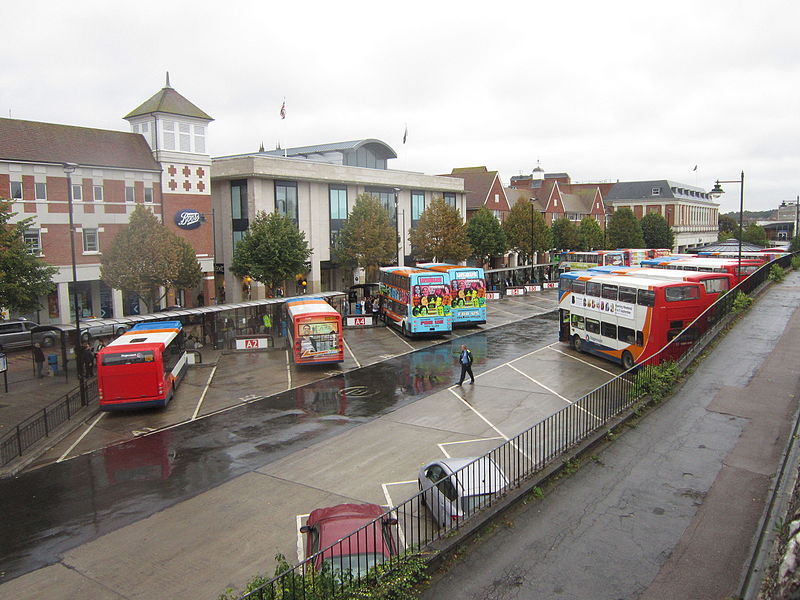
(373, 545)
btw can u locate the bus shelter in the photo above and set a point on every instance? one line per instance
(60, 355)
(218, 326)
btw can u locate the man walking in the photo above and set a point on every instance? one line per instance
(38, 358)
(465, 360)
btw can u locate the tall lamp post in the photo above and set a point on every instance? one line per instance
(718, 191)
(69, 169)
(397, 222)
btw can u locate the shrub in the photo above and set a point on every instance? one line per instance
(796, 262)
(655, 381)
(777, 274)
(742, 302)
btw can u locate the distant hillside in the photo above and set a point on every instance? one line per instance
(755, 215)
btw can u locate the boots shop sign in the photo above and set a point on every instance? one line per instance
(188, 218)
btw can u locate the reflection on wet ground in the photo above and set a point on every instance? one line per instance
(60, 506)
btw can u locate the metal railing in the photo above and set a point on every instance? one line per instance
(44, 422)
(408, 528)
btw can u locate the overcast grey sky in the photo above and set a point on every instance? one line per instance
(605, 91)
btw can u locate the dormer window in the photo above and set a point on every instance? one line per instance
(656, 191)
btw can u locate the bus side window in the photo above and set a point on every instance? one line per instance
(577, 321)
(646, 298)
(579, 287)
(639, 338)
(626, 335)
(609, 291)
(627, 294)
(592, 325)
(608, 330)
(592, 289)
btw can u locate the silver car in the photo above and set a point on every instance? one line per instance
(453, 488)
(16, 333)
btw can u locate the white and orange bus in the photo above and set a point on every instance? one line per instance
(715, 283)
(142, 367)
(314, 328)
(714, 265)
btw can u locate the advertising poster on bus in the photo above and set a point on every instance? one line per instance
(430, 300)
(319, 338)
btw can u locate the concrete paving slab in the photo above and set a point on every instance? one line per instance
(220, 538)
(572, 380)
(58, 581)
(444, 412)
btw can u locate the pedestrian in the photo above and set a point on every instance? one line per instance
(87, 360)
(465, 360)
(38, 358)
(201, 299)
(367, 305)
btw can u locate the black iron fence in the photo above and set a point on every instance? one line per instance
(43, 423)
(437, 510)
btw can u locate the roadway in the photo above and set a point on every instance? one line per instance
(207, 500)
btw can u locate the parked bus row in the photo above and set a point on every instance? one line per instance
(626, 257)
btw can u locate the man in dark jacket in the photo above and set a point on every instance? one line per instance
(465, 360)
(87, 360)
(38, 358)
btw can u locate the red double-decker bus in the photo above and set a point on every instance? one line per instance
(142, 367)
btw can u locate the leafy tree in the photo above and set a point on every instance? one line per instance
(795, 245)
(23, 276)
(590, 234)
(526, 230)
(272, 250)
(367, 239)
(440, 234)
(656, 231)
(146, 255)
(755, 234)
(565, 234)
(727, 223)
(486, 235)
(624, 230)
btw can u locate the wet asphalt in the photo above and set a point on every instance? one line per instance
(63, 505)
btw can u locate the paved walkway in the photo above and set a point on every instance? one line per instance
(674, 506)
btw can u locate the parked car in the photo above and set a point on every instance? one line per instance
(453, 488)
(16, 333)
(357, 554)
(96, 328)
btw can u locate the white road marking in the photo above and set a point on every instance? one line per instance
(441, 446)
(83, 435)
(583, 361)
(480, 416)
(288, 370)
(203, 395)
(346, 345)
(540, 384)
(400, 337)
(390, 506)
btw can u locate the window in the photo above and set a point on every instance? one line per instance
(237, 237)
(239, 220)
(627, 294)
(592, 325)
(77, 192)
(169, 135)
(608, 330)
(286, 199)
(626, 335)
(592, 289)
(33, 239)
(646, 298)
(184, 138)
(338, 206)
(90, 241)
(578, 322)
(497, 198)
(579, 287)
(200, 139)
(148, 194)
(97, 190)
(129, 195)
(450, 199)
(609, 291)
(16, 190)
(41, 191)
(417, 206)
(387, 200)
(682, 292)
(656, 191)
(713, 286)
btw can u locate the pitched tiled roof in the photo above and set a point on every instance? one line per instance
(32, 141)
(477, 183)
(168, 101)
(643, 190)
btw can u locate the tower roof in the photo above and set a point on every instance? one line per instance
(167, 100)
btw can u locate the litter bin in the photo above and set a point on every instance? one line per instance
(52, 362)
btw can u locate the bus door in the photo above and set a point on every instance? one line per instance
(563, 332)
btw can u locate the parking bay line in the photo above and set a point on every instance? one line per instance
(541, 385)
(391, 506)
(447, 455)
(83, 435)
(203, 395)
(400, 337)
(346, 345)
(581, 360)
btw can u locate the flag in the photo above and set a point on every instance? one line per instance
(283, 110)
(405, 134)
(695, 168)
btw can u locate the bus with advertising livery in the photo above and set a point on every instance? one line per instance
(714, 265)
(314, 331)
(627, 319)
(416, 301)
(623, 257)
(143, 367)
(467, 289)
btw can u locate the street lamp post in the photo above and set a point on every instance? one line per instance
(69, 169)
(717, 191)
(397, 223)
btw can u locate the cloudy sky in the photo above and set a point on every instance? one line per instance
(605, 91)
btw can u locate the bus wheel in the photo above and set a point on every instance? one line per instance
(577, 344)
(627, 360)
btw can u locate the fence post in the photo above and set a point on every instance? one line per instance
(46, 427)
(19, 443)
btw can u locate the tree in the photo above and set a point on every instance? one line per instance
(656, 231)
(486, 235)
(24, 278)
(526, 230)
(624, 230)
(367, 239)
(590, 234)
(440, 234)
(146, 255)
(565, 234)
(755, 234)
(727, 223)
(271, 251)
